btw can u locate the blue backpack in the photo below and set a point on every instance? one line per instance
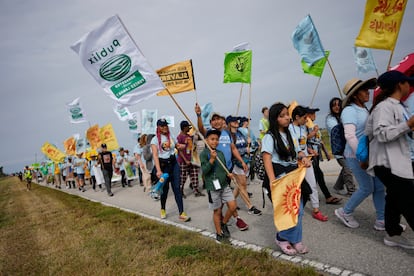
(362, 153)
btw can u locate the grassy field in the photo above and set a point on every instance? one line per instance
(47, 232)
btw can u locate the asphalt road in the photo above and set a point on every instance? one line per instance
(334, 248)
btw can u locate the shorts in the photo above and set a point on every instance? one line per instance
(217, 198)
(81, 176)
(239, 171)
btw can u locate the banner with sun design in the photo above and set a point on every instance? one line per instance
(286, 199)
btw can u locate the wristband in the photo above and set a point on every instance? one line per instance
(198, 115)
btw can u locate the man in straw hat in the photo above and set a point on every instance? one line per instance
(354, 117)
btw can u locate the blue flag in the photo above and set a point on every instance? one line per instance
(364, 60)
(306, 40)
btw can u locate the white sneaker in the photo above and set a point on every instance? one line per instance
(398, 241)
(379, 225)
(347, 219)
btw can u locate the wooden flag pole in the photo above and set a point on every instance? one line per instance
(240, 96)
(242, 192)
(333, 73)
(314, 92)
(389, 61)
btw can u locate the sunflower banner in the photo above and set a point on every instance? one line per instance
(52, 152)
(109, 138)
(286, 198)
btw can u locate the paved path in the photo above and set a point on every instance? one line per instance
(334, 248)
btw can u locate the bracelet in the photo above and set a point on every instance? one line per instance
(198, 115)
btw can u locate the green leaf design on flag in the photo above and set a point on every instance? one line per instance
(238, 66)
(317, 68)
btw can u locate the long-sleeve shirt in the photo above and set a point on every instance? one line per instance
(387, 129)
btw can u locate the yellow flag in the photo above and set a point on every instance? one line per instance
(177, 78)
(52, 152)
(70, 146)
(93, 136)
(108, 137)
(286, 198)
(381, 24)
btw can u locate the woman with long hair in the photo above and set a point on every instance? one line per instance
(163, 151)
(389, 129)
(354, 117)
(280, 156)
(345, 178)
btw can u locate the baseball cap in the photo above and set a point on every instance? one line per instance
(121, 149)
(231, 118)
(243, 119)
(393, 77)
(162, 122)
(311, 110)
(215, 114)
(184, 124)
(103, 146)
(213, 131)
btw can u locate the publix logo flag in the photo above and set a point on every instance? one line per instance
(76, 112)
(111, 56)
(134, 122)
(122, 112)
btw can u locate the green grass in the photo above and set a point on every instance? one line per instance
(48, 232)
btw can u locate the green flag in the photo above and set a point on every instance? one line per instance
(238, 66)
(317, 68)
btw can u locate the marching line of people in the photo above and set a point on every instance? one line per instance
(225, 161)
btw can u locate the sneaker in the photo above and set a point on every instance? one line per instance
(241, 225)
(225, 230)
(222, 239)
(341, 192)
(183, 217)
(163, 214)
(379, 225)
(398, 241)
(250, 194)
(347, 219)
(254, 211)
(111, 194)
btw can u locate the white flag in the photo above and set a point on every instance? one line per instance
(364, 60)
(122, 112)
(76, 112)
(111, 56)
(134, 122)
(149, 121)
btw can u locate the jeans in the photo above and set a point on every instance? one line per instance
(294, 234)
(367, 185)
(108, 177)
(171, 167)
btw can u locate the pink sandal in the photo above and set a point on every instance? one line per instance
(301, 248)
(286, 247)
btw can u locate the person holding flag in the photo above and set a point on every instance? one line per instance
(163, 151)
(280, 156)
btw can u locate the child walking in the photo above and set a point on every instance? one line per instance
(218, 190)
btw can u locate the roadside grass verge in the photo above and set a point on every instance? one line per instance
(47, 232)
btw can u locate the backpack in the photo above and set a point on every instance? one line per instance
(146, 150)
(362, 153)
(338, 140)
(258, 166)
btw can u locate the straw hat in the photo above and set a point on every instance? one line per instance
(354, 85)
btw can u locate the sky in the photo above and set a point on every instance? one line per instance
(39, 72)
